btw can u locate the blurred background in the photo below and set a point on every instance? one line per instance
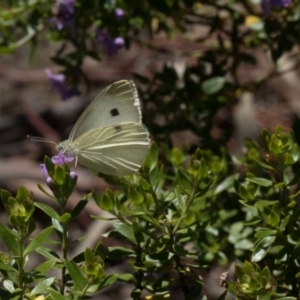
(210, 74)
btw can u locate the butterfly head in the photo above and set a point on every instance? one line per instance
(65, 148)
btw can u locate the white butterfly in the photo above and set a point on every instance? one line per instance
(109, 136)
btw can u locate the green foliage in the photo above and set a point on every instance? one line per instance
(174, 219)
(212, 85)
(160, 220)
(87, 275)
(253, 283)
(271, 206)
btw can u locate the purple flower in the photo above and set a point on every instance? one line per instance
(61, 159)
(44, 171)
(119, 42)
(119, 13)
(65, 15)
(58, 82)
(268, 5)
(74, 176)
(109, 46)
(46, 176)
(49, 182)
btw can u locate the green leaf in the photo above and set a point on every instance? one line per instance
(55, 295)
(263, 164)
(265, 232)
(212, 85)
(160, 257)
(248, 267)
(154, 155)
(295, 179)
(181, 200)
(109, 280)
(57, 226)
(65, 218)
(183, 180)
(177, 156)
(136, 22)
(288, 159)
(80, 206)
(264, 203)
(49, 165)
(8, 268)
(134, 196)
(261, 181)
(293, 238)
(151, 159)
(138, 234)
(226, 184)
(180, 250)
(42, 286)
(274, 218)
(245, 194)
(38, 240)
(203, 169)
(250, 209)
(261, 248)
(276, 145)
(22, 193)
(295, 152)
(33, 47)
(59, 175)
(239, 272)
(266, 272)
(5, 195)
(145, 185)
(89, 257)
(100, 251)
(116, 253)
(44, 191)
(45, 266)
(125, 230)
(47, 210)
(136, 293)
(48, 254)
(76, 273)
(244, 244)
(284, 222)
(9, 238)
(106, 201)
(31, 226)
(258, 254)
(253, 284)
(127, 277)
(267, 242)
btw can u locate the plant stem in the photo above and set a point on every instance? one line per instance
(64, 249)
(20, 261)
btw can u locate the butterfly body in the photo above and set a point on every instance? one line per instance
(109, 136)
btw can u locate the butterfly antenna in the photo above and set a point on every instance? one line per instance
(40, 139)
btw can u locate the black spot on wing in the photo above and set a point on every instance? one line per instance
(114, 112)
(117, 128)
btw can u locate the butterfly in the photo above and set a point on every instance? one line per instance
(109, 136)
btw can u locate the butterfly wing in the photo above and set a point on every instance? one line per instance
(118, 103)
(114, 150)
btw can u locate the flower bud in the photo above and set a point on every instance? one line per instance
(74, 176)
